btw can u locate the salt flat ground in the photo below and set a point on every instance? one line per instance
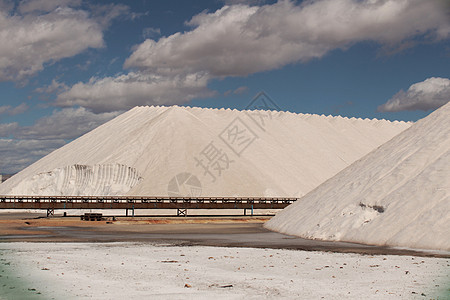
(147, 271)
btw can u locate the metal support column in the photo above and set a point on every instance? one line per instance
(181, 212)
(132, 211)
(50, 212)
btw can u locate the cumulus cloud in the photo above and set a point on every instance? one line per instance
(4, 109)
(6, 129)
(239, 40)
(6, 5)
(20, 109)
(106, 13)
(18, 154)
(45, 31)
(55, 86)
(22, 145)
(239, 91)
(12, 111)
(249, 2)
(151, 32)
(135, 88)
(39, 6)
(65, 124)
(429, 94)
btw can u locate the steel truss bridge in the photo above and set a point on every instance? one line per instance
(181, 204)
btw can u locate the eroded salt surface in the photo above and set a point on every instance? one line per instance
(77, 180)
(229, 152)
(398, 195)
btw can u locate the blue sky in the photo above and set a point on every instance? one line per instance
(67, 66)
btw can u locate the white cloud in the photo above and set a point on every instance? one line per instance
(55, 86)
(6, 5)
(240, 40)
(4, 109)
(18, 154)
(12, 111)
(65, 124)
(429, 94)
(104, 14)
(20, 109)
(135, 88)
(39, 6)
(249, 2)
(22, 146)
(151, 32)
(240, 90)
(6, 129)
(30, 40)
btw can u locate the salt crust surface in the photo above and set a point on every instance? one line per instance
(145, 271)
(398, 195)
(290, 154)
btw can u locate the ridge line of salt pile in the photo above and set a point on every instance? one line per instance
(287, 155)
(273, 111)
(284, 112)
(397, 195)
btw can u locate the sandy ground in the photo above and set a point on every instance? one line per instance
(190, 231)
(144, 271)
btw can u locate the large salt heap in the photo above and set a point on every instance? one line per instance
(210, 152)
(398, 195)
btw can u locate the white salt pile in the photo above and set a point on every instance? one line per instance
(209, 152)
(398, 195)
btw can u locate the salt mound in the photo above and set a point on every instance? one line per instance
(210, 152)
(398, 195)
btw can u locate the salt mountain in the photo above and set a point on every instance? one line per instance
(212, 152)
(398, 195)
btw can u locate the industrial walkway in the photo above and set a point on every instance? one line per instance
(50, 203)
